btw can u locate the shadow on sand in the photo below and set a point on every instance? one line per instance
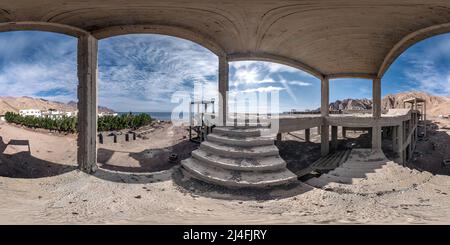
(153, 164)
(24, 165)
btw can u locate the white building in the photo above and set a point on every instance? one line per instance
(52, 113)
(102, 114)
(31, 112)
(71, 113)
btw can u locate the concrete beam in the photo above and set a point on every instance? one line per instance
(170, 30)
(409, 40)
(276, 59)
(223, 88)
(42, 26)
(87, 103)
(351, 75)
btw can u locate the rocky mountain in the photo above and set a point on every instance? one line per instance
(14, 104)
(436, 105)
(351, 104)
(396, 100)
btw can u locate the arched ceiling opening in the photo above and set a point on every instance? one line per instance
(334, 38)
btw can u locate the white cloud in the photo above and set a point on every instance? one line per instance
(262, 89)
(34, 63)
(152, 68)
(424, 75)
(299, 83)
(426, 65)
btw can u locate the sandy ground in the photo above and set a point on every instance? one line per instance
(61, 194)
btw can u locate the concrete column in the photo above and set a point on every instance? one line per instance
(400, 143)
(394, 138)
(307, 135)
(223, 88)
(425, 112)
(324, 140)
(279, 137)
(376, 113)
(376, 137)
(344, 132)
(325, 97)
(376, 97)
(334, 137)
(410, 151)
(87, 103)
(325, 130)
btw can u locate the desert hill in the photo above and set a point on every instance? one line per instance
(436, 105)
(14, 104)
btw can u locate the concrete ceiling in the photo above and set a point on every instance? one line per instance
(327, 37)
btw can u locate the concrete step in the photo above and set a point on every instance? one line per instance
(239, 151)
(236, 179)
(366, 156)
(240, 141)
(271, 163)
(242, 124)
(352, 173)
(331, 161)
(367, 167)
(352, 164)
(237, 132)
(337, 179)
(316, 182)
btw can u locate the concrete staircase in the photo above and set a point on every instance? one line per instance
(331, 161)
(238, 156)
(367, 171)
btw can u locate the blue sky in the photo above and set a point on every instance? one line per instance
(142, 72)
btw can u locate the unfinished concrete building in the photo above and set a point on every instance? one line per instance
(328, 39)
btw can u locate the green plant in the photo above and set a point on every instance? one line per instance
(69, 124)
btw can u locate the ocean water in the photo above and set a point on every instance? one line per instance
(165, 116)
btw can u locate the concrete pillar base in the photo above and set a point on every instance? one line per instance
(376, 138)
(279, 137)
(325, 140)
(334, 137)
(307, 135)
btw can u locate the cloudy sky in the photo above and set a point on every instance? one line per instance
(143, 72)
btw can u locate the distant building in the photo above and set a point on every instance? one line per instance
(71, 113)
(30, 112)
(52, 113)
(102, 114)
